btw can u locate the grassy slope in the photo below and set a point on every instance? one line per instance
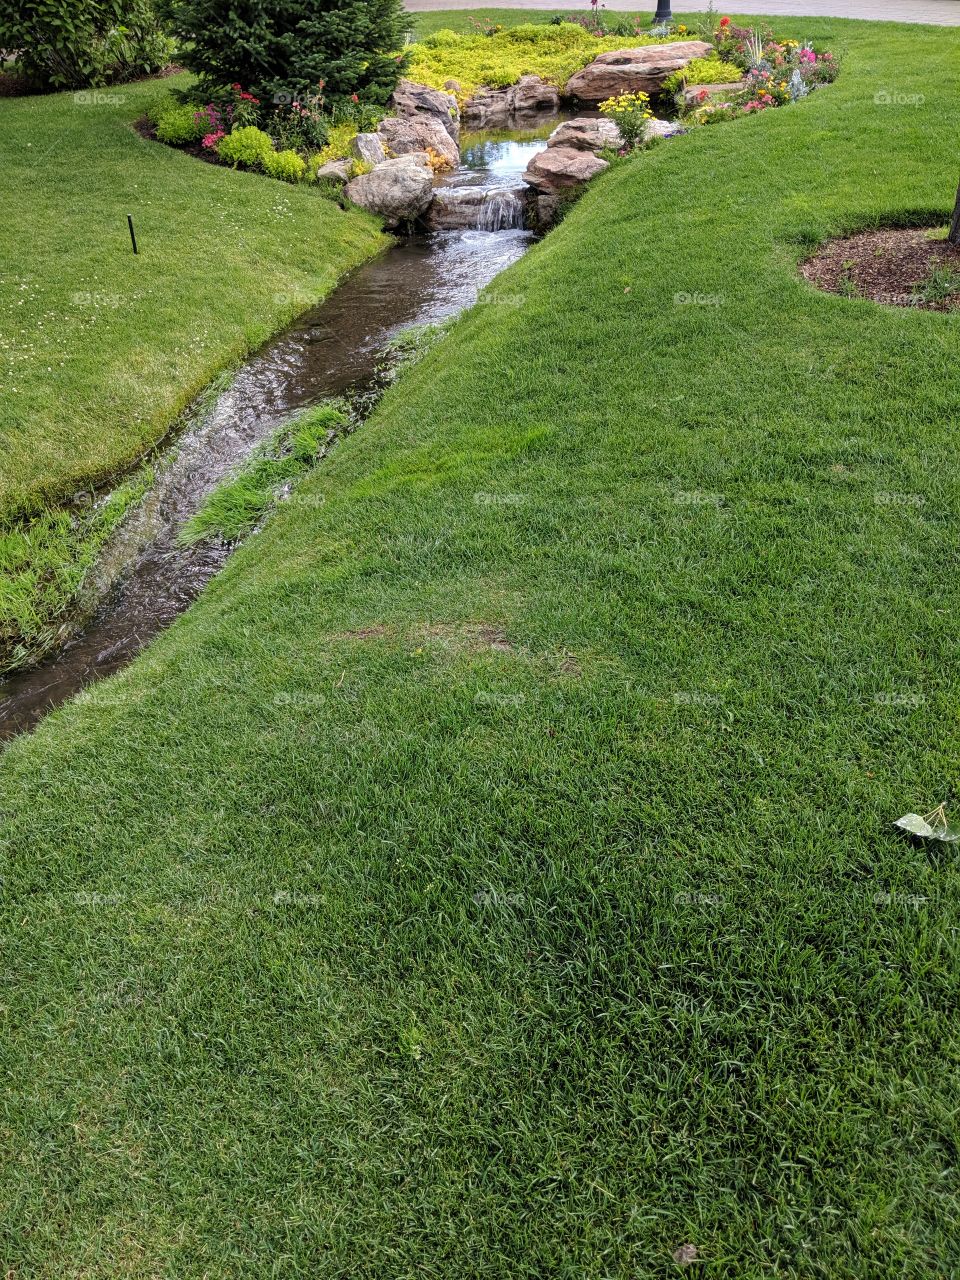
(100, 349)
(404, 954)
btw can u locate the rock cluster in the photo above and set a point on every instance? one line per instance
(498, 108)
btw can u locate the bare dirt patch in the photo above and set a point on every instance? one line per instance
(895, 267)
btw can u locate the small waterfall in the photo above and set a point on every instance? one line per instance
(500, 211)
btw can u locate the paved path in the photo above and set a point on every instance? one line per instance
(945, 12)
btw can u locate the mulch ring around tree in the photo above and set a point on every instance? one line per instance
(897, 267)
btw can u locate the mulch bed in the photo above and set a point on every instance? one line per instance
(146, 130)
(890, 267)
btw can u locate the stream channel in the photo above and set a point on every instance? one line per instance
(335, 349)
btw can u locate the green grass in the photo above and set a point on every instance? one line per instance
(44, 566)
(493, 874)
(100, 349)
(238, 504)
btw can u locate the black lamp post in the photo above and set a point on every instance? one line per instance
(663, 13)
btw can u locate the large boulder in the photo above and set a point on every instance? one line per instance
(633, 70)
(399, 190)
(412, 99)
(403, 135)
(561, 168)
(584, 134)
(497, 108)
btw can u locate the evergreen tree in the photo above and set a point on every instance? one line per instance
(282, 50)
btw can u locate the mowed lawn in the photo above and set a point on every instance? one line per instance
(493, 875)
(100, 349)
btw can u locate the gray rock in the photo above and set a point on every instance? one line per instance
(404, 134)
(410, 99)
(663, 128)
(586, 135)
(398, 190)
(337, 171)
(633, 70)
(560, 168)
(369, 148)
(496, 108)
(491, 209)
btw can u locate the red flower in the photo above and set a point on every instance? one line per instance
(724, 22)
(354, 98)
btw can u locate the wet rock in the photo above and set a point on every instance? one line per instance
(403, 135)
(633, 70)
(584, 134)
(531, 94)
(561, 168)
(482, 208)
(369, 148)
(497, 108)
(399, 190)
(410, 99)
(337, 171)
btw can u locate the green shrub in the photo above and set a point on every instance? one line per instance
(280, 50)
(248, 147)
(74, 44)
(177, 126)
(702, 71)
(553, 51)
(286, 165)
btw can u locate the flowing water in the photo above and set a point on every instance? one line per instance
(334, 349)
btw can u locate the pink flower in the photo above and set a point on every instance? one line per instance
(211, 139)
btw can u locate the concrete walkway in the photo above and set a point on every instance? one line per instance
(943, 12)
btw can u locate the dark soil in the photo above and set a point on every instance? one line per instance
(893, 267)
(146, 130)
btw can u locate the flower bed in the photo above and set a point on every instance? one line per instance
(772, 73)
(284, 140)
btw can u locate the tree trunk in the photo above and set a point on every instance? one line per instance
(954, 236)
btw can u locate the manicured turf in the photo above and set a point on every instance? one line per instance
(100, 349)
(493, 875)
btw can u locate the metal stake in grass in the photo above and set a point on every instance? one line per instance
(663, 14)
(133, 237)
